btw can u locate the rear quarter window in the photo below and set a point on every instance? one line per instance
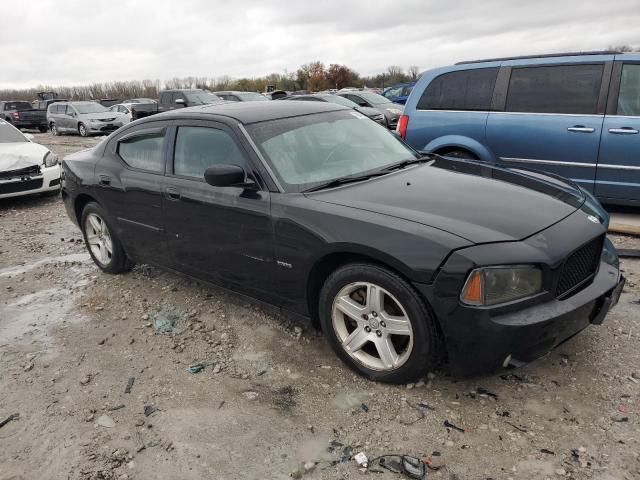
(144, 152)
(460, 90)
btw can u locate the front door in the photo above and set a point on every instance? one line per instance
(618, 175)
(221, 234)
(552, 120)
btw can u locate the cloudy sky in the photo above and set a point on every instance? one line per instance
(75, 42)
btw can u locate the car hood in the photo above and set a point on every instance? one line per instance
(14, 156)
(368, 111)
(101, 115)
(475, 201)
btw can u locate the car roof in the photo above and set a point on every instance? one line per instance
(254, 112)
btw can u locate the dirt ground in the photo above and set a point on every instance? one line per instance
(273, 401)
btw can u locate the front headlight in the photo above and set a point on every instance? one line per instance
(50, 159)
(494, 285)
(94, 120)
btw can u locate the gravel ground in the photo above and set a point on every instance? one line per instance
(272, 401)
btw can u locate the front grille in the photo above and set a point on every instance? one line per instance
(107, 119)
(14, 187)
(22, 172)
(580, 266)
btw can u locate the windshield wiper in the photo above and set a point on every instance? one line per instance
(342, 180)
(407, 162)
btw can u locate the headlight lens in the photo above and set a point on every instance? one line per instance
(494, 285)
(50, 159)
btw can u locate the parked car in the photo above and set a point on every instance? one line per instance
(84, 118)
(234, 96)
(135, 108)
(402, 259)
(276, 94)
(575, 115)
(363, 98)
(398, 93)
(26, 167)
(172, 99)
(22, 115)
(371, 113)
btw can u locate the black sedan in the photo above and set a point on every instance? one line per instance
(368, 99)
(371, 113)
(403, 260)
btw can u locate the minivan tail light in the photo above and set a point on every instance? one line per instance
(403, 122)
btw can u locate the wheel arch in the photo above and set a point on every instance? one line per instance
(459, 142)
(79, 203)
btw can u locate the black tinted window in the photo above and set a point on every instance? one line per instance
(629, 98)
(198, 148)
(165, 97)
(144, 152)
(555, 89)
(462, 90)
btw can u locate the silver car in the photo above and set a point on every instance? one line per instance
(84, 118)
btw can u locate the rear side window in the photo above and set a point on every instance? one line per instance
(143, 152)
(629, 98)
(198, 148)
(572, 89)
(461, 90)
(165, 97)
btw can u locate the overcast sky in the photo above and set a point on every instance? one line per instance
(72, 42)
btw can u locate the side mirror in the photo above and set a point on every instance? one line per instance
(180, 101)
(227, 176)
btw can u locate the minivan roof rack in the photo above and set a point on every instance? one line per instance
(547, 55)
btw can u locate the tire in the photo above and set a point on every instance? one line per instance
(459, 154)
(43, 129)
(54, 130)
(82, 130)
(417, 345)
(98, 235)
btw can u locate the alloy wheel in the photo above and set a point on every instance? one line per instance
(372, 326)
(98, 238)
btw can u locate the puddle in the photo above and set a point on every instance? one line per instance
(17, 270)
(33, 314)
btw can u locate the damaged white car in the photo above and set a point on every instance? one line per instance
(26, 167)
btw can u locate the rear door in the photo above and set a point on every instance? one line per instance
(618, 174)
(552, 118)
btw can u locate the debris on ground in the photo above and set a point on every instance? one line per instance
(196, 368)
(105, 421)
(149, 409)
(410, 466)
(129, 386)
(448, 424)
(165, 322)
(13, 416)
(361, 459)
(628, 252)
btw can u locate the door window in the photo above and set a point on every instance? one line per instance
(143, 152)
(165, 97)
(461, 90)
(572, 89)
(629, 97)
(198, 148)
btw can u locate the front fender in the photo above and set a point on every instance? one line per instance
(460, 141)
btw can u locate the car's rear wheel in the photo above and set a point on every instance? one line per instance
(43, 129)
(82, 130)
(377, 324)
(103, 245)
(54, 129)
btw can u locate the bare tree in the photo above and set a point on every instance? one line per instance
(414, 72)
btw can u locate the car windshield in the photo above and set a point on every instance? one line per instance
(9, 134)
(89, 107)
(252, 96)
(340, 100)
(373, 98)
(311, 150)
(199, 97)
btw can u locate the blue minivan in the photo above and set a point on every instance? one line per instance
(576, 115)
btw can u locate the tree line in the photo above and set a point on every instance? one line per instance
(313, 76)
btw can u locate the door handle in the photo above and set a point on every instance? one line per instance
(581, 129)
(172, 193)
(623, 131)
(104, 180)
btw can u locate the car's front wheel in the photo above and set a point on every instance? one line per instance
(82, 130)
(376, 322)
(54, 129)
(103, 245)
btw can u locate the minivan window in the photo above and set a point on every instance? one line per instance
(629, 97)
(198, 148)
(143, 152)
(460, 90)
(569, 89)
(90, 107)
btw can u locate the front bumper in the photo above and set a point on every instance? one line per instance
(104, 127)
(47, 181)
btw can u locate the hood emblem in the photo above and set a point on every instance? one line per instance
(593, 219)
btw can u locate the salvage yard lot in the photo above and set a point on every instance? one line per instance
(272, 397)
